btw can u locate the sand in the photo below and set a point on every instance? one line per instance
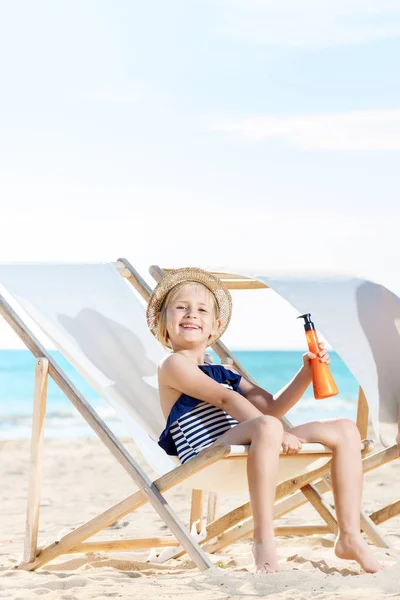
(81, 479)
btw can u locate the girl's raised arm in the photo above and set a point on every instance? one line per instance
(275, 405)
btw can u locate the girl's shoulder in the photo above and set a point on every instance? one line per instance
(178, 365)
(172, 361)
(176, 368)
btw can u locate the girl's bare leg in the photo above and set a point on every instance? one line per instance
(343, 437)
(264, 436)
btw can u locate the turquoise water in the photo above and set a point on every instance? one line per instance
(271, 369)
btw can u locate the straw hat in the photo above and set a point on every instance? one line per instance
(190, 275)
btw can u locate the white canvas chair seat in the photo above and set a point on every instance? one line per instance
(229, 475)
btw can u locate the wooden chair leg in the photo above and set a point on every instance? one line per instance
(315, 498)
(372, 531)
(196, 512)
(35, 468)
(212, 507)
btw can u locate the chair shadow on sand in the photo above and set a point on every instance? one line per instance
(379, 315)
(121, 357)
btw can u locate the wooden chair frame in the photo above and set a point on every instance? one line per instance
(226, 529)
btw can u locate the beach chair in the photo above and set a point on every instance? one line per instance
(97, 321)
(346, 310)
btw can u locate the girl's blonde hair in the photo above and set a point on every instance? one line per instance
(161, 324)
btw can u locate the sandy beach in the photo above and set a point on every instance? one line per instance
(81, 478)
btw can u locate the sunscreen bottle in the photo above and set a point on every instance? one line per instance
(323, 383)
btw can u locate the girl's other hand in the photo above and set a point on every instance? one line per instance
(322, 355)
(291, 444)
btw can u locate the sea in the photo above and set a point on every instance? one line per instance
(271, 369)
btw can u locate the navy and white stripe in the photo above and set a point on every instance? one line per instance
(192, 424)
(199, 428)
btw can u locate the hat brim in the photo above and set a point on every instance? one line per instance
(196, 275)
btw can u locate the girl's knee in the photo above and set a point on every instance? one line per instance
(268, 426)
(347, 430)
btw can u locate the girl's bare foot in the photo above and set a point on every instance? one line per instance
(354, 547)
(265, 556)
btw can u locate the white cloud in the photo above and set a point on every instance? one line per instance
(310, 23)
(359, 130)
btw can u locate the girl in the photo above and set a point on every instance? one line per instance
(187, 312)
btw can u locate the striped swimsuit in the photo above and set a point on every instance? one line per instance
(192, 424)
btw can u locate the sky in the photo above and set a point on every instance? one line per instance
(203, 132)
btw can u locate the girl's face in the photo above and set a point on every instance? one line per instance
(191, 317)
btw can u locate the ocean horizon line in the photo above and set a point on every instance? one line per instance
(233, 350)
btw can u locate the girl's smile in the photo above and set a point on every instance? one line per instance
(189, 326)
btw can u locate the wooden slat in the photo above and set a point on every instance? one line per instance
(35, 468)
(196, 512)
(232, 276)
(388, 512)
(171, 542)
(362, 414)
(157, 273)
(121, 545)
(287, 530)
(231, 280)
(302, 530)
(127, 271)
(249, 284)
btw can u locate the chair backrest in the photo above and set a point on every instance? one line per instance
(95, 319)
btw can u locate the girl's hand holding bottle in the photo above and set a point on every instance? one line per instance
(308, 356)
(324, 385)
